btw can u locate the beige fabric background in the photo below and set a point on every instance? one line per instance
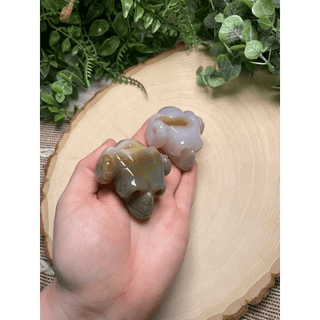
(50, 134)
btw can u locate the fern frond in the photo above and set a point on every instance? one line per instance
(131, 81)
(120, 55)
(88, 69)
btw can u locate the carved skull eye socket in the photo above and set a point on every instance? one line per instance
(159, 192)
(135, 194)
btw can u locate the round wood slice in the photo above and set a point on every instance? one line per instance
(233, 253)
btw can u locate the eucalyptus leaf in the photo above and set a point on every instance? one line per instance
(225, 67)
(249, 34)
(249, 3)
(126, 6)
(98, 28)
(237, 7)
(238, 47)
(216, 80)
(210, 21)
(120, 25)
(276, 3)
(265, 23)
(219, 17)
(253, 49)
(231, 28)
(217, 48)
(109, 46)
(263, 8)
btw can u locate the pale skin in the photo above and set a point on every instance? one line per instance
(108, 264)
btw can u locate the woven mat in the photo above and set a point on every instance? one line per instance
(50, 134)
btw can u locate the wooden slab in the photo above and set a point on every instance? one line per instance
(233, 253)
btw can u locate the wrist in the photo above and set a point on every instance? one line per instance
(50, 305)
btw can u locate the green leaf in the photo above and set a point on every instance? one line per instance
(86, 2)
(44, 70)
(276, 3)
(54, 64)
(59, 116)
(249, 34)
(126, 5)
(94, 11)
(138, 13)
(199, 70)
(253, 49)
(217, 48)
(55, 110)
(271, 42)
(201, 79)
(147, 20)
(54, 38)
(66, 45)
(47, 97)
(231, 29)
(60, 97)
(263, 8)
(71, 74)
(109, 46)
(98, 27)
(238, 47)
(74, 50)
(50, 5)
(120, 25)
(73, 19)
(156, 25)
(43, 26)
(99, 73)
(249, 3)
(237, 7)
(219, 17)
(215, 80)
(74, 31)
(210, 21)
(209, 71)
(225, 67)
(265, 23)
(61, 87)
(72, 60)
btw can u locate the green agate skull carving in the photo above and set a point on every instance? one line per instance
(138, 173)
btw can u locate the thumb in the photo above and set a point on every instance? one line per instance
(82, 182)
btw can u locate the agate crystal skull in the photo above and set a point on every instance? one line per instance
(138, 173)
(177, 134)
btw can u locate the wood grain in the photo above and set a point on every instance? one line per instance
(233, 253)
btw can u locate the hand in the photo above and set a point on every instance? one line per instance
(108, 264)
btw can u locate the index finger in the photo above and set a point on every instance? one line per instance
(141, 134)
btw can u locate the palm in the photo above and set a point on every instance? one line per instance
(113, 259)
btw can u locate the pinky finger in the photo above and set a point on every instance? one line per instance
(185, 192)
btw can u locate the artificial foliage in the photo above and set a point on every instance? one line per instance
(87, 40)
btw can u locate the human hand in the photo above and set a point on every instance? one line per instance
(108, 264)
